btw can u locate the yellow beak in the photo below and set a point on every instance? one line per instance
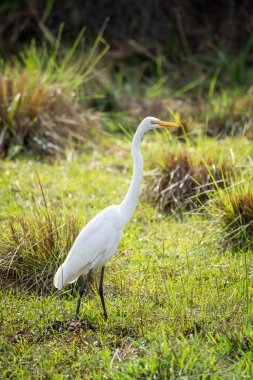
(167, 124)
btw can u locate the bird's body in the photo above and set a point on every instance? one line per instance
(98, 240)
(94, 246)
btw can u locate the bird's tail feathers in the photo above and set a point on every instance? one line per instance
(59, 278)
(64, 276)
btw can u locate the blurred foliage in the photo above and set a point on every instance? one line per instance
(39, 96)
(176, 28)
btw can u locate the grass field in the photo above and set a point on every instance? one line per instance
(179, 304)
(179, 291)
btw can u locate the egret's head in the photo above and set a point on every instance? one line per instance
(153, 122)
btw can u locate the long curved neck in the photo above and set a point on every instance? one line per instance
(128, 205)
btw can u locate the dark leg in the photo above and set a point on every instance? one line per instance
(82, 289)
(101, 292)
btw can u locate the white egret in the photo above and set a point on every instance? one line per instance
(98, 240)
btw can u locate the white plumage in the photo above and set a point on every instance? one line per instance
(93, 247)
(98, 240)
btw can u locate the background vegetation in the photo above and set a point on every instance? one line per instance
(75, 80)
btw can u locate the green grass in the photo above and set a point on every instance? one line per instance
(178, 305)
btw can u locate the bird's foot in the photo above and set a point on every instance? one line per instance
(80, 325)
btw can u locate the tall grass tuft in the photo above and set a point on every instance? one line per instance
(232, 208)
(183, 181)
(32, 245)
(39, 97)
